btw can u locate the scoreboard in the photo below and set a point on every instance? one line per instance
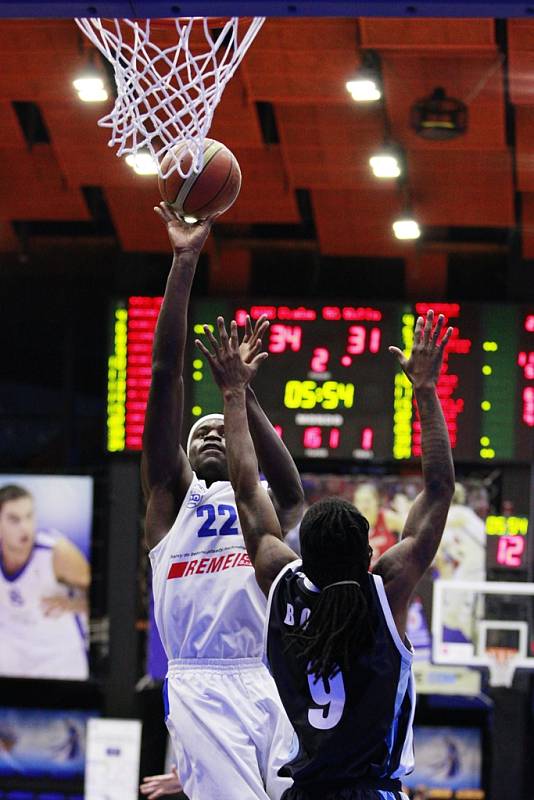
(331, 387)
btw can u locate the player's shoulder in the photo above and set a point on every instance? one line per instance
(291, 580)
(47, 538)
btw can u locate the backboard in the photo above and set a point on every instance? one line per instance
(483, 624)
(270, 8)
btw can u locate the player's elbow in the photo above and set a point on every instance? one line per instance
(83, 578)
(293, 499)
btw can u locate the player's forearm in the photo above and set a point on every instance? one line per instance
(276, 461)
(256, 512)
(436, 460)
(240, 453)
(171, 329)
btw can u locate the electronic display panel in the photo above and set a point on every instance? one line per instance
(448, 758)
(507, 538)
(331, 387)
(43, 744)
(45, 575)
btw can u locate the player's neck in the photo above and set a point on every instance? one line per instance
(12, 562)
(210, 476)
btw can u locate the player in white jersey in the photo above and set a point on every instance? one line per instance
(229, 731)
(43, 603)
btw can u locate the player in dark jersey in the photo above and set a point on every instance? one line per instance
(336, 639)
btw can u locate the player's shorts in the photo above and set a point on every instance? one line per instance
(229, 731)
(295, 793)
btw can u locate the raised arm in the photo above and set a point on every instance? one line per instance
(259, 522)
(275, 459)
(165, 470)
(402, 566)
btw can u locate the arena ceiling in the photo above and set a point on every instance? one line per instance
(302, 143)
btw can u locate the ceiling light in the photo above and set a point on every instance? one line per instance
(406, 228)
(385, 165)
(142, 163)
(90, 86)
(439, 117)
(363, 90)
(366, 86)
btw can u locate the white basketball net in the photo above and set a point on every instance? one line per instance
(168, 94)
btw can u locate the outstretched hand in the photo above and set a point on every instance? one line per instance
(227, 365)
(252, 339)
(183, 235)
(154, 786)
(424, 364)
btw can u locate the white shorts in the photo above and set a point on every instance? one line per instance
(229, 731)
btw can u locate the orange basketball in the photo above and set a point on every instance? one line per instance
(211, 191)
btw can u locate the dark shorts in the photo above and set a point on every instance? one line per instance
(343, 794)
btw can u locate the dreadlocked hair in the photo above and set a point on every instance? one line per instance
(334, 540)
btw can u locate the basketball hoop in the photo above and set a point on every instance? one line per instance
(167, 92)
(502, 665)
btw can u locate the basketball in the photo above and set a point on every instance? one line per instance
(212, 190)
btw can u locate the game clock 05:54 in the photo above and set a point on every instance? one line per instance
(308, 394)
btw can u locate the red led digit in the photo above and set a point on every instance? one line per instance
(367, 439)
(333, 439)
(528, 405)
(374, 340)
(529, 323)
(283, 337)
(356, 340)
(279, 431)
(526, 361)
(510, 551)
(312, 438)
(320, 359)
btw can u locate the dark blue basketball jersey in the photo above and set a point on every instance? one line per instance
(355, 729)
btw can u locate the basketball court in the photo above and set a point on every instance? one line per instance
(254, 118)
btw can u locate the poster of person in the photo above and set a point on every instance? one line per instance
(45, 575)
(447, 758)
(38, 743)
(461, 557)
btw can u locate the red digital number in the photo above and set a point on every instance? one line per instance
(320, 359)
(526, 362)
(528, 405)
(283, 337)
(313, 437)
(529, 323)
(333, 439)
(356, 340)
(367, 439)
(374, 340)
(510, 551)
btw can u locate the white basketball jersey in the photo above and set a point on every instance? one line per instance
(34, 644)
(207, 603)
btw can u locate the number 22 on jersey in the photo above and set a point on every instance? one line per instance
(220, 520)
